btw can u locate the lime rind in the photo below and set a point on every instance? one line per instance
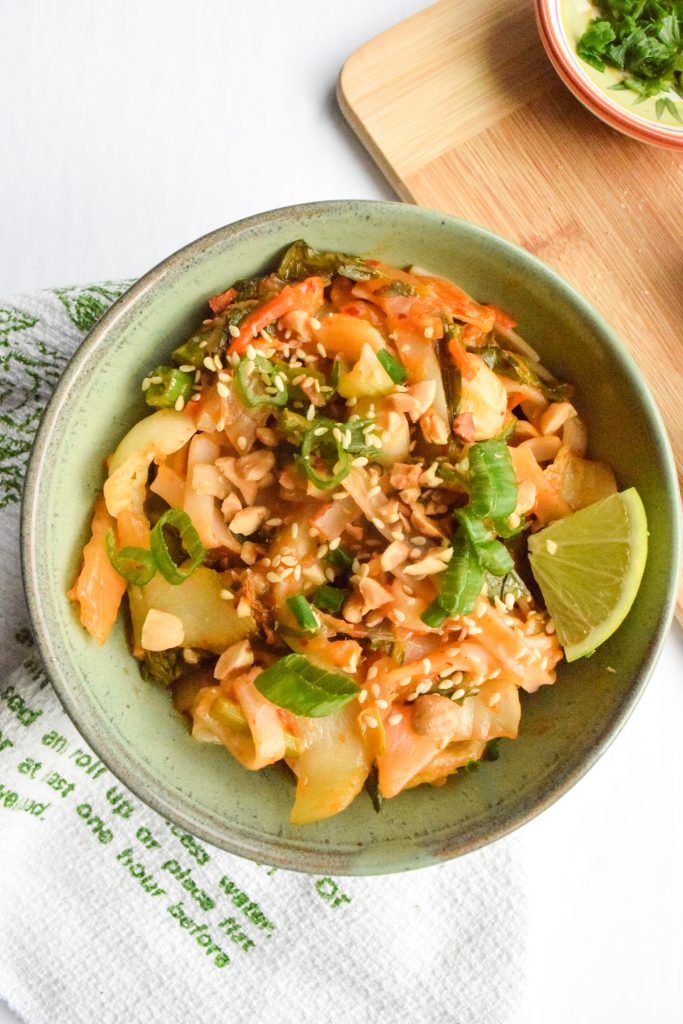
(575, 579)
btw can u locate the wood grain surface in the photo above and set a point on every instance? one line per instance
(461, 109)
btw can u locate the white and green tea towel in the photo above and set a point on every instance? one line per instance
(111, 915)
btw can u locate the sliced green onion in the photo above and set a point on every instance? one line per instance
(299, 686)
(303, 613)
(136, 565)
(293, 426)
(250, 373)
(461, 583)
(189, 538)
(329, 599)
(434, 616)
(495, 557)
(493, 484)
(326, 448)
(394, 368)
(172, 384)
(337, 367)
(339, 558)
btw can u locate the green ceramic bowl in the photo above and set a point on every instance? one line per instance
(131, 724)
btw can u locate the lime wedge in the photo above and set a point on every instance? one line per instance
(589, 567)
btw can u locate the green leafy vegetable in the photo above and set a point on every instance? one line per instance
(163, 666)
(189, 539)
(641, 38)
(136, 565)
(169, 384)
(293, 426)
(299, 686)
(303, 613)
(302, 260)
(509, 364)
(394, 368)
(329, 599)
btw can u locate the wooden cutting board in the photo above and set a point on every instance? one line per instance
(461, 109)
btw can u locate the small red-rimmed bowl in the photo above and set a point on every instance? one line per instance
(561, 23)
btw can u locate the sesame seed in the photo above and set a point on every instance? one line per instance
(329, 574)
(411, 697)
(474, 630)
(315, 324)
(399, 616)
(319, 431)
(217, 362)
(375, 690)
(338, 495)
(322, 550)
(320, 347)
(509, 601)
(222, 390)
(334, 544)
(220, 425)
(453, 652)
(310, 412)
(610, 669)
(234, 331)
(551, 547)
(242, 443)
(494, 699)
(278, 382)
(395, 719)
(209, 363)
(429, 332)
(426, 666)
(227, 595)
(374, 490)
(273, 577)
(243, 609)
(458, 694)
(495, 673)
(179, 403)
(382, 704)
(360, 461)
(250, 352)
(550, 627)
(424, 687)
(371, 721)
(155, 380)
(297, 572)
(446, 684)
(274, 522)
(146, 384)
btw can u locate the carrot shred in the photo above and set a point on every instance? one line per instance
(306, 295)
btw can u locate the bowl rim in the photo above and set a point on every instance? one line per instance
(289, 854)
(569, 67)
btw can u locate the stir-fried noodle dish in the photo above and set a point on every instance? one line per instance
(322, 528)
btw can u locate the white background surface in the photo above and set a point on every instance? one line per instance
(128, 129)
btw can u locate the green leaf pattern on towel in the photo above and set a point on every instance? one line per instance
(34, 348)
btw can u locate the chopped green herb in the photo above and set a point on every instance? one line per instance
(641, 38)
(163, 666)
(372, 789)
(339, 558)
